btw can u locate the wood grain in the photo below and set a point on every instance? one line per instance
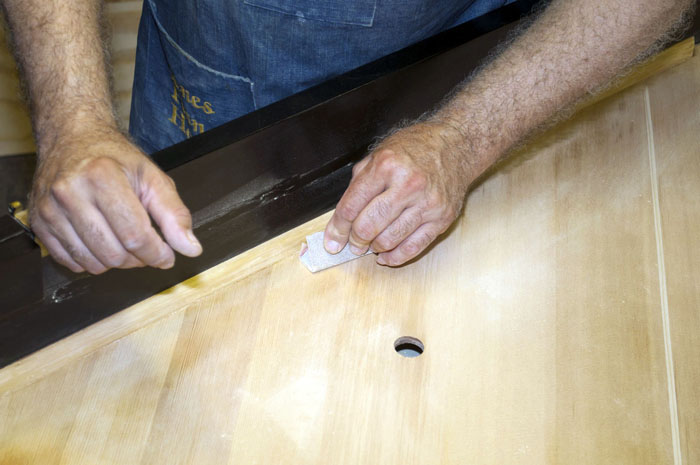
(541, 313)
(675, 115)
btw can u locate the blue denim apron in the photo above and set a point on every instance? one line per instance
(201, 63)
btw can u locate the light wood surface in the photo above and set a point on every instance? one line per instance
(15, 128)
(674, 100)
(559, 316)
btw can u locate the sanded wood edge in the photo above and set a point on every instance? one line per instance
(672, 56)
(82, 343)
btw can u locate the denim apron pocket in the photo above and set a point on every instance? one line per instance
(177, 94)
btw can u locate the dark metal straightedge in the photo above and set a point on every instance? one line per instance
(260, 175)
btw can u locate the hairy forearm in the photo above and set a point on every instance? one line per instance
(59, 48)
(572, 49)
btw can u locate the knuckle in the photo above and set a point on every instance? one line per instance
(382, 208)
(99, 168)
(356, 169)
(44, 210)
(403, 228)
(414, 247)
(416, 181)
(75, 253)
(395, 233)
(449, 215)
(400, 229)
(363, 231)
(113, 258)
(169, 181)
(62, 190)
(383, 243)
(160, 180)
(182, 214)
(88, 263)
(387, 161)
(346, 212)
(134, 240)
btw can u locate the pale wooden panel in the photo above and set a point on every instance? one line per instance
(124, 19)
(197, 414)
(32, 429)
(609, 332)
(76, 415)
(15, 127)
(539, 311)
(675, 112)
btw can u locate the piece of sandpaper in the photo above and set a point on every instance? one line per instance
(315, 257)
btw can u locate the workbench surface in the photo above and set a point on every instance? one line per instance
(560, 318)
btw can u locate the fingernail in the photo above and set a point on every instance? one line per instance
(332, 246)
(381, 260)
(356, 250)
(193, 240)
(167, 259)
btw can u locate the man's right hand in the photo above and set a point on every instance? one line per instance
(91, 201)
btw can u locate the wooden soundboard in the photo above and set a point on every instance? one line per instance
(559, 316)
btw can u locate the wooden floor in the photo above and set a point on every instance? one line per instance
(560, 317)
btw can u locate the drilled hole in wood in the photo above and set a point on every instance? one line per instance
(409, 347)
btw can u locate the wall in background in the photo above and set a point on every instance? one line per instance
(15, 129)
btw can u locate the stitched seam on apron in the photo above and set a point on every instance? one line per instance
(190, 57)
(366, 23)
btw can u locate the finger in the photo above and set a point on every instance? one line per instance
(129, 225)
(402, 227)
(97, 235)
(381, 212)
(57, 251)
(100, 209)
(133, 262)
(172, 216)
(411, 246)
(59, 226)
(362, 189)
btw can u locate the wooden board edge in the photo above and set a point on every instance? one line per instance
(668, 58)
(80, 344)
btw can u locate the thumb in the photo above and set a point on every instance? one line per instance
(162, 202)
